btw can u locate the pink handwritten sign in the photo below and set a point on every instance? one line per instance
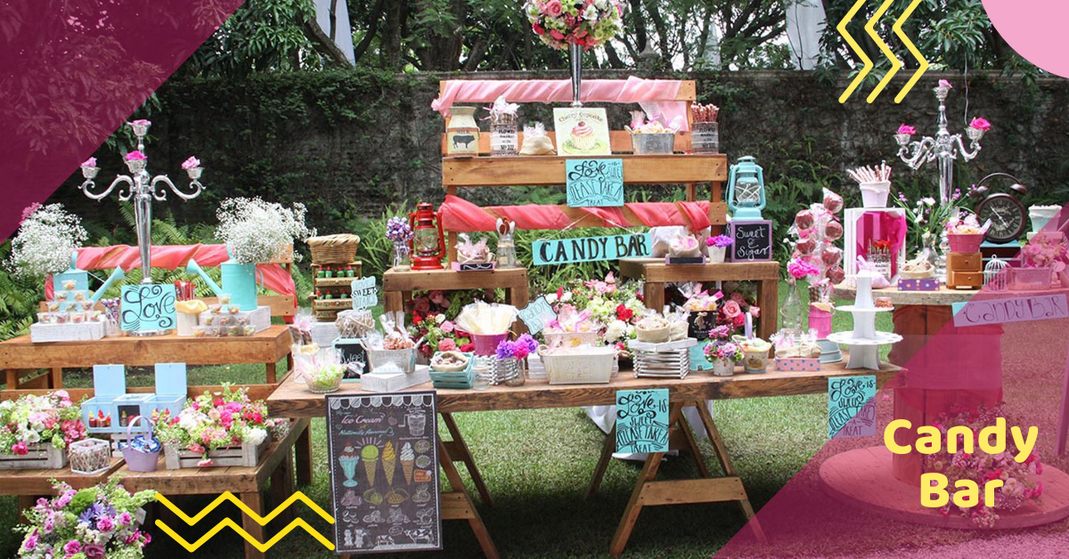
(1012, 309)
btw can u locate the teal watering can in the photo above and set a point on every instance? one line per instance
(81, 279)
(239, 280)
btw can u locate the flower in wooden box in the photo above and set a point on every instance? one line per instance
(36, 429)
(224, 428)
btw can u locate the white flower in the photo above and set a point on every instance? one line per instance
(550, 298)
(257, 231)
(30, 436)
(590, 13)
(566, 297)
(928, 201)
(440, 318)
(617, 330)
(601, 4)
(46, 240)
(256, 436)
(189, 421)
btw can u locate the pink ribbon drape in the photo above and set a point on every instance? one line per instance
(656, 97)
(462, 216)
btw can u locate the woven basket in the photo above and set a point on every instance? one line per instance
(334, 249)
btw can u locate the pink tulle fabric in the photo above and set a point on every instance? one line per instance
(461, 216)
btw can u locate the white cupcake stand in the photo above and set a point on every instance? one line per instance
(864, 342)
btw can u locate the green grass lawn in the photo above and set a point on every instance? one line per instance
(537, 464)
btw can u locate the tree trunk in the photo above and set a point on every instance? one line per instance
(391, 35)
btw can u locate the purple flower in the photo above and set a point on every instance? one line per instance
(72, 547)
(719, 241)
(506, 349)
(398, 230)
(530, 342)
(125, 519)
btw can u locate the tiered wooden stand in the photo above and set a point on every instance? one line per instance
(326, 310)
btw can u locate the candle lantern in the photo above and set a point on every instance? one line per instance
(428, 242)
(746, 190)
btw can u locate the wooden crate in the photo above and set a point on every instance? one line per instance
(244, 455)
(41, 456)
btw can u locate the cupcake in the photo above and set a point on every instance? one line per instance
(583, 136)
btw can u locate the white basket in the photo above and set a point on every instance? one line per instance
(587, 365)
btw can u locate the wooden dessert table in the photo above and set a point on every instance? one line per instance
(656, 273)
(246, 483)
(293, 400)
(28, 485)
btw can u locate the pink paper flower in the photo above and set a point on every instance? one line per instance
(945, 83)
(191, 163)
(136, 155)
(980, 123)
(447, 344)
(907, 129)
(91, 162)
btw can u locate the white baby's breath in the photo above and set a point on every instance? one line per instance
(258, 231)
(47, 238)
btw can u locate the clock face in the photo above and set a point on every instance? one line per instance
(1008, 217)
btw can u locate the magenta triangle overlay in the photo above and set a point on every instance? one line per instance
(71, 73)
(1023, 364)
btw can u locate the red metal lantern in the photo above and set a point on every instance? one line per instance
(428, 242)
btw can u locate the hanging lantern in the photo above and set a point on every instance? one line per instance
(428, 242)
(746, 190)
(994, 277)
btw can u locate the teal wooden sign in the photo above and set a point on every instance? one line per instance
(537, 315)
(642, 420)
(147, 307)
(590, 249)
(852, 406)
(595, 183)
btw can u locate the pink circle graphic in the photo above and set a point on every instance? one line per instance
(1035, 29)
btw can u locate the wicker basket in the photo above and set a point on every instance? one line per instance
(334, 249)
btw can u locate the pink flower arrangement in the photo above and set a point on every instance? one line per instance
(141, 122)
(33, 420)
(587, 23)
(91, 162)
(980, 124)
(719, 241)
(907, 129)
(519, 349)
(213, 421)
(191, 163)
(136, 155)
(799, 269)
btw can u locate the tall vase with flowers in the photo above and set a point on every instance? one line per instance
(794, 316)
(47, 238)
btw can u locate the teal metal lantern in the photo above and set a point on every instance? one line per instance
(746, 190)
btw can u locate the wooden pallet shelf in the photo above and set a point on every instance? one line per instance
(545, 170)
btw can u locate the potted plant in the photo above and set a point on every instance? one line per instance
(102, 521)
(718, 248)
(224, 428)
(723, 353)
(36, 430)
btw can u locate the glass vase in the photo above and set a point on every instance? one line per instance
(794, 315)
(401, 252)
(705, 137)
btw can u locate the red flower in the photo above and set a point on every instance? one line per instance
(538, 29)
(416, 319)
(467, 348)
(624, 313)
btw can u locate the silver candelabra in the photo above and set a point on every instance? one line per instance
(143, 188)
(943, 148)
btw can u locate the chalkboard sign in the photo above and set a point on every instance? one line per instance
(147, 307)
(852, 406)
(383, 452)
(752, 240)
(352, 352)
(642, 420)
(594, 183)
(537, 315)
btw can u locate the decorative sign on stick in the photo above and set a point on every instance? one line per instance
(752, 240)
(590, 249)
(594, 183)
(365, 295)
(976, 311)
(383, 451)
(852, 406)
(642, 420)
(537, 315)
(147, 307)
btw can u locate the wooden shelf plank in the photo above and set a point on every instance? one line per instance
(416, 280)
(542, 170)
(655, 270)
(684, 491)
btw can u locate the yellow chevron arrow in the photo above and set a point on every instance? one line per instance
(895, 64)
(841, 28)
(897, 27)
(228, 523)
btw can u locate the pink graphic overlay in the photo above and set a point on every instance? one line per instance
(1034, 29)
(857, 499)
(72, 72)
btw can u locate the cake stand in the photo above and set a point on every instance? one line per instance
(864, 341)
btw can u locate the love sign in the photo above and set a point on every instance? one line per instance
(365, 295)
(595, 183)
(642, 420)
(852, 406)
(536, 315)
(590, 249)
(147, 307)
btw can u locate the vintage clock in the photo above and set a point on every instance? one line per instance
(1009, 217)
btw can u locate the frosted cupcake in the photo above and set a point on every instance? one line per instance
(583, 136)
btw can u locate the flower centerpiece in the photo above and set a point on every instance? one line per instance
(615, 309)
(964, 232)
(507, 367)
(36, 422)
(257, 231)
(99, 522)
(47, 237)
(212, 422)
(718, 247)
(1019, 483)
(722, 352)
(438, 334)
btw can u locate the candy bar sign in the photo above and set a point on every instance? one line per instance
(590, 249)
(147, 307)
(976, 311)
(537, 315)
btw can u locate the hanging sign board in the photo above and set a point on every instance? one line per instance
(642, 420)
(976, 311)
(595, 183)
(852, 406)
(752, 240)
(383, 452)
(365, 295)
(590, 249)
(147, 307)
(536, 315)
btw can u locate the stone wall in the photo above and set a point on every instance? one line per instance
(348, 144)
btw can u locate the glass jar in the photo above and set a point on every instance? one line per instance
(504, 136)
(401, 260)
(705, 137)
(794, 314)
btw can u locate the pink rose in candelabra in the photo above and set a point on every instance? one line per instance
(191, 163)
(141, 122)
(804, 219)
(945, 83)
(836, 274)
(980, 124)
(833, 231)
(136, 156)
(832, 201)
(831, 256)
(91, 162)
(907, 130)
(806, 246)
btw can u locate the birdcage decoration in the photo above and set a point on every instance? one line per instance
(993, 279)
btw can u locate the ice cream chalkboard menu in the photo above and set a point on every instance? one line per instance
(384, 472)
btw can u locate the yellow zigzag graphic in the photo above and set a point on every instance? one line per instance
(261, 520)
(896, 64)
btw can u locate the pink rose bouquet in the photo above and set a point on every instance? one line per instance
(215, 420)
(980, 124)
(907, 130)
(587, 23)
(33, 420)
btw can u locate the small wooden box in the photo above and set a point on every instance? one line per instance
(972, 262)
(41, 456)
(969, 280)
(244, 455)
